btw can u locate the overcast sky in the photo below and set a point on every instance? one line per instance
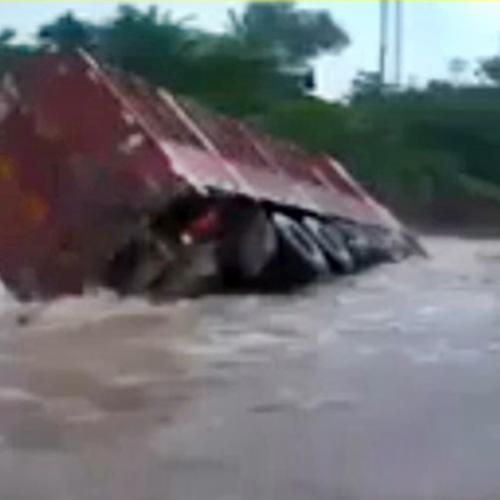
(435, 32)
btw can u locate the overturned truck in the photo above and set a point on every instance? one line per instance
(105, 180)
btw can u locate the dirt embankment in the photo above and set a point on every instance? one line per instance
(467, 216)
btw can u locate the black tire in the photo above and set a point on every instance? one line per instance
(358, 244)
(332, 243)
(300, 258)
(379, 245)
(247, 246)
(122, 267)
(136, 267)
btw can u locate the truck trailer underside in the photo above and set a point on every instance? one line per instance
(105, 180)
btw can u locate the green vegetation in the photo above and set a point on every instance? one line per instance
(413, 148)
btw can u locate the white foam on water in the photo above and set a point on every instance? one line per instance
(91, 308)
(14, 394)
(10, 310)
(380, 300)
(7, 300)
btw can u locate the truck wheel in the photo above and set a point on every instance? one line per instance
(331, 243)
(248, 244)
(300, 257)
(358, 245)
(121, 268)
(378, 244)
(136, 267)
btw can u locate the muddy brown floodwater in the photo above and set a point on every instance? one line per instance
(385, 386)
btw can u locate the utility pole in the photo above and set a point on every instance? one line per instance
(384, 12)
(398, 35)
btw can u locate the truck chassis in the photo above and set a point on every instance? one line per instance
(106, 180)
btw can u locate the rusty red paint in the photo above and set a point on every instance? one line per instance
(79, 143)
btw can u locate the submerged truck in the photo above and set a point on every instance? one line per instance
(108, 181)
